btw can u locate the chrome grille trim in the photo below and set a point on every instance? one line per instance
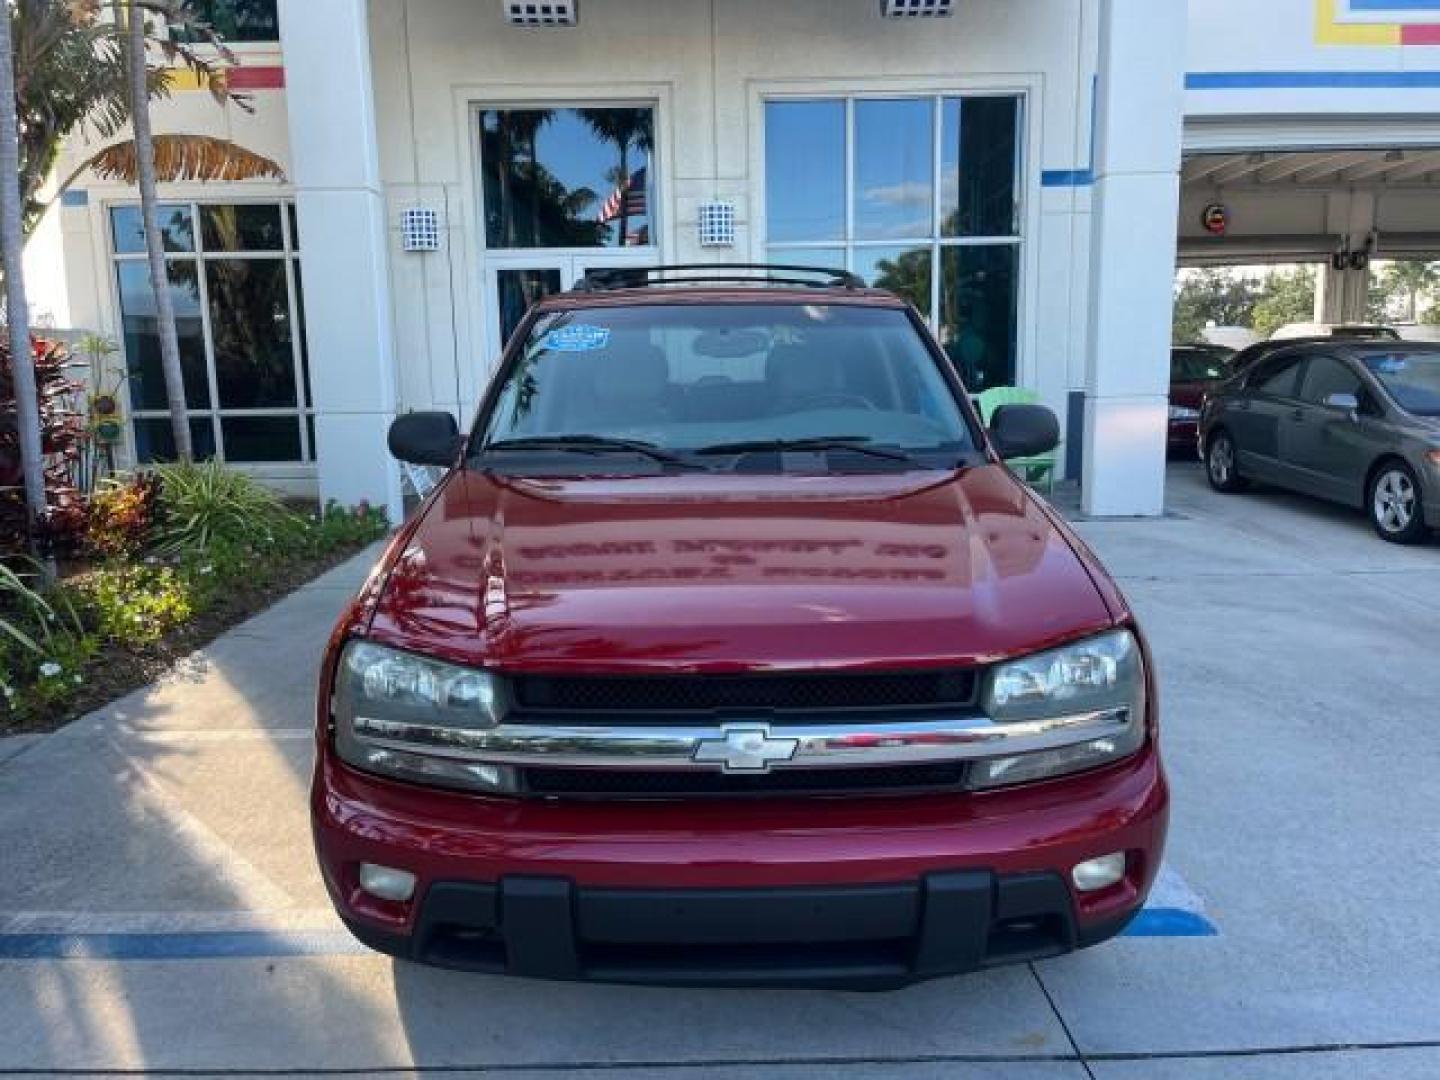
(818, 745)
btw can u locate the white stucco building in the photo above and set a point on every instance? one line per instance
(1014, 166)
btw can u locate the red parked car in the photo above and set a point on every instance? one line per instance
(1195, 370)
(729, 652)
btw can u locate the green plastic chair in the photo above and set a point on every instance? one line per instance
(1033, 470)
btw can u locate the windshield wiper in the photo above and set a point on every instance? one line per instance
(591, 444)
(860, 444)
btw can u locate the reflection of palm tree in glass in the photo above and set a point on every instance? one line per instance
(907, 276)
(515, 131)
(625, 128)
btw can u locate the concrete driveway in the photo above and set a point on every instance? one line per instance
(159, 909)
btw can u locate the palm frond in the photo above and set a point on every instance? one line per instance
(180, 158)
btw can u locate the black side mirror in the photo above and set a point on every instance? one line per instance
(425, 438)
(1024, 430)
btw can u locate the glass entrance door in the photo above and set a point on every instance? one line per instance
(564, 189)
(516, 281)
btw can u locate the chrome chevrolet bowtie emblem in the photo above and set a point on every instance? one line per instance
(746, 749)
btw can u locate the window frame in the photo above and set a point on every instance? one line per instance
(936, 241)
(288, 254)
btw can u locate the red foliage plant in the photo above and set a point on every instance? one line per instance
(63, 437)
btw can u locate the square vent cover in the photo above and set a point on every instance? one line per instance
(539, 12)
(716, 221)
(907, 9)
(420, 229)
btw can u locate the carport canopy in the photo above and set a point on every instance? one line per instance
(1341, 207)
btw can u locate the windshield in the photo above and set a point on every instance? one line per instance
(702, 382)
(1412, 379)
(1198, 365)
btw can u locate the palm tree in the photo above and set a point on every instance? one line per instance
(12, 240)
(154, 245)
(625, 128)
(73, 77)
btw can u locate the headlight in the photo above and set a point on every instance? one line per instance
(1103, 676)
(1181, 412)
(395, 713)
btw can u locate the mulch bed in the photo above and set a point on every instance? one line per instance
(117, 670)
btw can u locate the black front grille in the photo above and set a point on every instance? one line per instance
(709, 693)
(649, 784)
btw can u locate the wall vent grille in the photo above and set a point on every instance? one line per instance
(716, 223)
(420, 229)
(539, 12)
(910, 9)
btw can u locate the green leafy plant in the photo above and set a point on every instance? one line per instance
(209, 502)
(135, 604)
(39, 633)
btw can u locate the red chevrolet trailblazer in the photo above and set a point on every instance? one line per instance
(729, 652)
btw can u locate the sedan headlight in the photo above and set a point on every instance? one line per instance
(1182, 412)
(405, 716)
(1096, 685)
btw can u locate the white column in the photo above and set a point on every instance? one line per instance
(335, 163)
(1136, 203)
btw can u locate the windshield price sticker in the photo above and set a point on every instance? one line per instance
(577, 338)
(1392, 365)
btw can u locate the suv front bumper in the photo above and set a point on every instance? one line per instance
(866, 892)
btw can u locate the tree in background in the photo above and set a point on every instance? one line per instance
(1214, 296)
(1397, 290)
(12, 244)
(1284, 297)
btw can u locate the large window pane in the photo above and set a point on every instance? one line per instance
(805, 170)
(177, 232)
(250, 328)
(155, 439)
(902, 270)
(241, 228)
(977, 312)
(235, 20)
(261, 438)
(822, 258)
(979, 141)
(142, 334)
(567, 177)
(894, 168)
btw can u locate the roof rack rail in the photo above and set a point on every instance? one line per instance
(642, 277)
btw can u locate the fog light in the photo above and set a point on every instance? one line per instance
(1093, 875)
(390, 884)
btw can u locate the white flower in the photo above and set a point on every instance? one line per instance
(50, 669)
(207, 569)
(78, 680)
(9, 693)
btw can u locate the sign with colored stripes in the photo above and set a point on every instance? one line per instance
(1377, 22)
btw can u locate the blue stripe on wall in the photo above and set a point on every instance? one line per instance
(1395, 5)
(1067, 178)
(1312, 80)
(252, 944)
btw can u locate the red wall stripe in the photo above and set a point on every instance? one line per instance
(257, 78)
(1428, 34)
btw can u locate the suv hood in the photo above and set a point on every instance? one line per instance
(725, 572)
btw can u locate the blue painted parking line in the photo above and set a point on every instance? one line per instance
(272, 944)
(1170, 922)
